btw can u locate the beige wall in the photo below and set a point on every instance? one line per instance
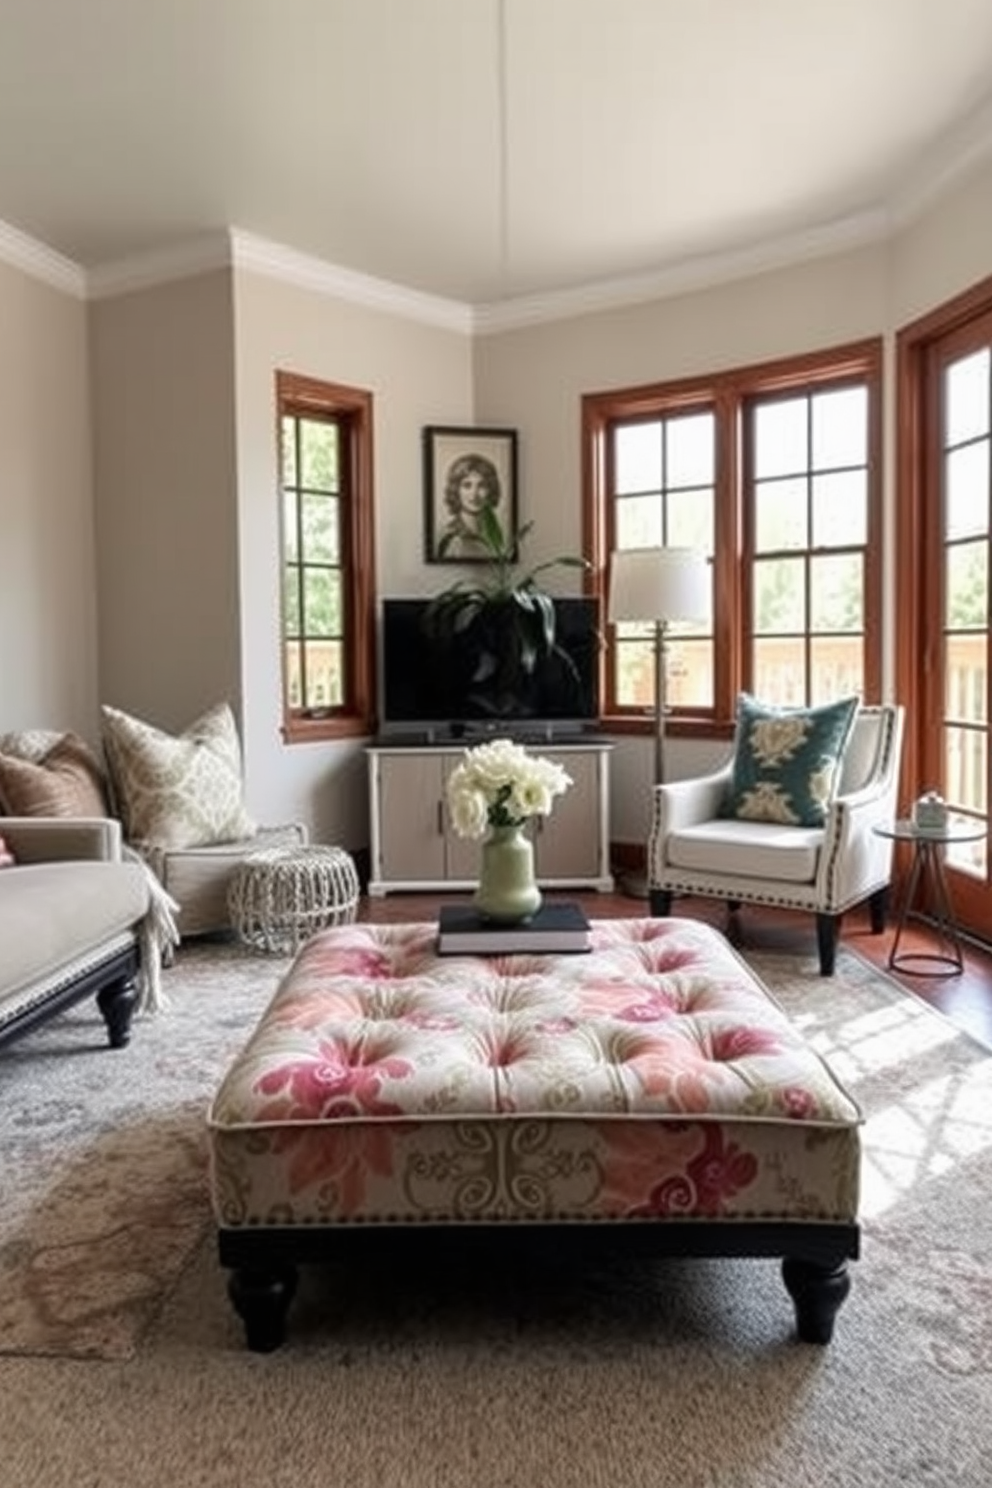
(48, 645)
(417, 375)
(944, 251)
(166, 516)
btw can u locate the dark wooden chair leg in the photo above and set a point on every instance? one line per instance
(878, 906)
(660, 901)
(817, 1293)
(261, 1299)
(116, 1002)
(827, 929)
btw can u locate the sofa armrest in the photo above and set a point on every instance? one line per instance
(684, 803)
(51, 839)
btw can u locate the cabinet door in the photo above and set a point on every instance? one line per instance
(566, 843)
(462, 854)
(412, 823)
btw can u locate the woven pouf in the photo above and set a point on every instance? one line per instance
(280, 896)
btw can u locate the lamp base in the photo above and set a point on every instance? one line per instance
(633, 885)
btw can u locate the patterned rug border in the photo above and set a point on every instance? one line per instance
(885, 975)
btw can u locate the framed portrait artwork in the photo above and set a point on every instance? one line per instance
(466, 471)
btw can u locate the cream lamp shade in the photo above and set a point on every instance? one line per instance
(660, 586)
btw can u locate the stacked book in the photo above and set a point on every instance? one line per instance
(559, 927)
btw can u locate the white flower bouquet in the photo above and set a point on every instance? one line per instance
(500, 785)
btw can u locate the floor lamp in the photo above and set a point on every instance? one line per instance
(658, 586)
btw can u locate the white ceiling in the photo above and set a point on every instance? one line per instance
(483, 150)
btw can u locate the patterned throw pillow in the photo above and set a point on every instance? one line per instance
(787, 760)
(177, 791)
(65, 781)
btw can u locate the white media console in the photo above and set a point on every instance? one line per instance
(414, 846)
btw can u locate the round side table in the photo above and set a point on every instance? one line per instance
(279, 897)
(927, 878)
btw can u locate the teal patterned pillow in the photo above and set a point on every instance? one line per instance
(787, 760)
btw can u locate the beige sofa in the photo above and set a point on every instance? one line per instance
(72, 915)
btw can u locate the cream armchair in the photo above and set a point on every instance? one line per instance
(825, 870)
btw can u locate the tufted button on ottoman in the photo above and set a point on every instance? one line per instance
(280, 896)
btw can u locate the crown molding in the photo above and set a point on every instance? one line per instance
(702, 272)
(290, 267)
(953, 158)
(41, 262)
(160, 266)
(939, 170)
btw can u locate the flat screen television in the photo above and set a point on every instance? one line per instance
(427, 683)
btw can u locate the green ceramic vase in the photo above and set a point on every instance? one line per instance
(508, 893)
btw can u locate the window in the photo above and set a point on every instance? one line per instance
(942, 574)
(774, 473)
(328, 635)
(807, 559)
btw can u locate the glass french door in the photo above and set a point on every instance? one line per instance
(956, 742)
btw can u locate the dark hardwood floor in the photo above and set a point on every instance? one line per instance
(966, 998)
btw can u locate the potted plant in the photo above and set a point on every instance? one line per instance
(506, 618)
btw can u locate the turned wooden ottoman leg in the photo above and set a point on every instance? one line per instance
(817, 1292)
(261, 1299)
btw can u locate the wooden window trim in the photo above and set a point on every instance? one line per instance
(917, 461)
(297, 394)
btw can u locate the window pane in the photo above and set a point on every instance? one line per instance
(780, 515)
(966, 398)
(966, 486)
(837, 593)
(969, 857)
(780, 672)
(288, 426)
(294, 685)
(840, 428)
(966, 591)
(290, 540)
(836, 667)
(690, 674)
(964, 767)
(635, 673)
(637, 457)
(321, 602)
(780, 438)
(291, 599)
(321, 524)
(779, 595)
(325, 688)
(639, 522)
(319, 455)
(840, 509)
(689, 452)
(965, 679)
(690, 520)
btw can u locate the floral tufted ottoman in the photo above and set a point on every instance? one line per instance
(651, 1084)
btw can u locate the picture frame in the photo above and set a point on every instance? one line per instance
(464, 469)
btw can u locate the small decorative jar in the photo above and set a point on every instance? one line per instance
(930, 812)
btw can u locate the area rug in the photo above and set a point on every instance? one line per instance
(104, 1196)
